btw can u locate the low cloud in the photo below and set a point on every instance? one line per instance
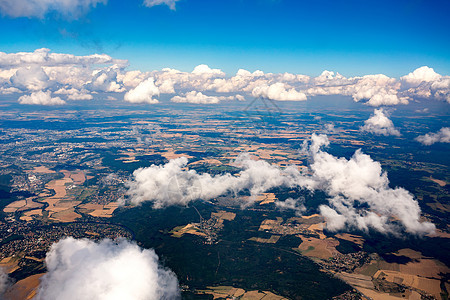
(292, 204)
(38, 9)
(143, 93)
(360, 194)
(380, 124)
(83, 269)
(171, 184)
(5, 282)
(442, 136)
(41, 98)
(358, 188)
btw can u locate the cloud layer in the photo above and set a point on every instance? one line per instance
(83, 269)
(358, 189)
(85, 76)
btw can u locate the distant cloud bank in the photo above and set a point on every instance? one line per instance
(82, 77)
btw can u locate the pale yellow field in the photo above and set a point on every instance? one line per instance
(318, 248)
(14, 206)
(189, 229)
(431, 286)
(98, 210)
(78, 177)
(224, 215)
(67, 215)
(318, 228)
(27, 216)
(272, 240)
(351, 238)
(230, 292)
(42, 169)
(269, 224)
(21, 205)
(24, 289)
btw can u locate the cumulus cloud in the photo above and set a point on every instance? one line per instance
(442, 136)
(424, 82)
(38, 9)
(169, 3)
(105, 81)
(358, 188)
(31, 78)
(200, 98)
(380, 124)
(41, 98)
(292, 204)
(360, 194)
(83, 269)
(143, 93)
(377, 90)
(5, 282)
(278, 91)
(74, 94)
(171, 184)
(422, 74)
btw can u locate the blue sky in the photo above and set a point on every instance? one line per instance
(353, 37)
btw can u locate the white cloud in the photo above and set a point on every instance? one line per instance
(169, 3)
(43, 57)
(170, 184)
(206, 70)
(292, 204)
(380, 124)
(360, 193)
(5, 282)
(378, 90)
(442, 136)
(195, 97)
(200, 98)
(39, 8)
(83, 269)
(278, 91)
(143, 93)
(422, 74)
(41, 98)
(424, 82)
(360, 196)
(105, 81)
(31, 78)
(74, 94)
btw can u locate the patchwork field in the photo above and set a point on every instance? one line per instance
(229, 292)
